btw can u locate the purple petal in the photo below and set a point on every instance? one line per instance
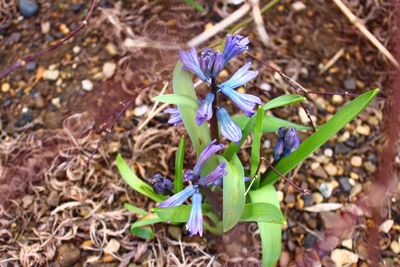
(246, 179)
(209, 151)
(245, 102)
(234, 45)
(218, 173)
(190, 61)
(278, 149)
(291, 139)
(179, 198)
(195, 221)
(204, 112)
(229, 128)
(240, 77)
(175, 118)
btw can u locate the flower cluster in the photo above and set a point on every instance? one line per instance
(288, 141)
(195, 221)
(207, 67)
(160, 184)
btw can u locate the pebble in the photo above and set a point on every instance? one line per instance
(68, 255)
(5, 87)
(56, 102)
(26, 117)
(27, 201)
(51, 75)
(87, 85)
(356, 161)
(342, 149)
(39, 102)
(337, 99)
(53, 199)
(317, 198)
(175, 232)
(76, 49)
(357, 188)
(267, 144)
(326, 189)
(64, 29)
(140, 110)
(112, 246)
(109, 69)
(345, 184)
(343, 257)
(348, 243)
(319, 172)
(304, 118)
(45, 27)
(386, 226)
(331, 169)
(298, 6)
(309, 240)
(111, 49)
(350, 84)
(31, 66)
(265, 86)
(370, 167)
(28, 8)
(328, 152)
(395, 247)
(363, 130)
(344, 137)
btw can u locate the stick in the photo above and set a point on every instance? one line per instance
(259, 22)
(21, 62)
(361, 27)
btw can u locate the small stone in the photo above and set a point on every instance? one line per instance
(348, 243)
(267, 144)
(109, 69)
(386, 226)
(45, 27)
(343, 257)
(304, 118)
(350, 84)
(395, 247)
(53, 199)
(357, 188)
(280, 195)
(298, 6)
(68, 255)
(331, 169)
(326, 189)
(284, 260)
(175, 232)
(112, 246)
(31, 66)
(356, 161)
(56, 102)
(345, 184)
(363, 130)
(320, 173)
(27, 201)
(328, 152)
(266, 87)
(28, 8)
(315, 165)
(64, 29)
(87, 85)
(344, 137)
(370, 167)
(337, 99)
(39, 102)
(5, 87)
(76, 49)
(140, 110)
(309, 240)
(51, 75)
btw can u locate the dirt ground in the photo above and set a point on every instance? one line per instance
(55, 210)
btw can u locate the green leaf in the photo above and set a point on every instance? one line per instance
(133, 181)
(270, 123)
(143, 232)
(256, 146)
(141, 227)
(262, 212)
(322, 135)
(183, 86)
(177, 100)
(195, 5)
(177, 214)
(271, 233)
(135, 209)
(180, 155)
(283, 100)
(233, 193)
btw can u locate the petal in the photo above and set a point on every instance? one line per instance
(195, 221)
(190, 61)
(204, 112)
(175, 116)
(229, 128)
(209, 151)
(179, 198)
(218, 173)
(234, 45)
(240, 77)
(278, 150)
(245, 102)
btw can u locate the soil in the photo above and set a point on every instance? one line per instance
(53, 206)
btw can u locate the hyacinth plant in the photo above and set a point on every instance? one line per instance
(194, 196)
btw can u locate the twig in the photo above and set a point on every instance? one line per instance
(259, 22)
(21, 62)
(308, 116)
(232, 18)
(301, 190)
(332, 61)
(254, 176)
(361, 27)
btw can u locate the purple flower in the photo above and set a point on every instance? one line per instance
(175, 118)
(188, 175)
(278, 149)
(240, 77)
(204, 112)
(291, 139)
(214, 176)
(190, 61)
(209, 151)
(245, 102)
(211, 63)
(229, 128)
(160, 184)
(288, 141)
(195, 222)
(246, 179)
(179, 198)
(234, 46)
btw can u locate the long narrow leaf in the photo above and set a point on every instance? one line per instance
(323, 134)
(178, 214)
(233, 193)
(283, 100)
(262, 212)
(180, 155)
(133, 181)
(135, 209)
(271, 233)
(256, 146)
(177, 100)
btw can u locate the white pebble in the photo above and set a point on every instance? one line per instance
(326, 189)
(87, 85)
(140, 110)
(51, 75)
(109, 69)
(328, 152)
(298, 6)
(343, 257)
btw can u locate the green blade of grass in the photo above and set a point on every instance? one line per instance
(256, 146)
(180, 155)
